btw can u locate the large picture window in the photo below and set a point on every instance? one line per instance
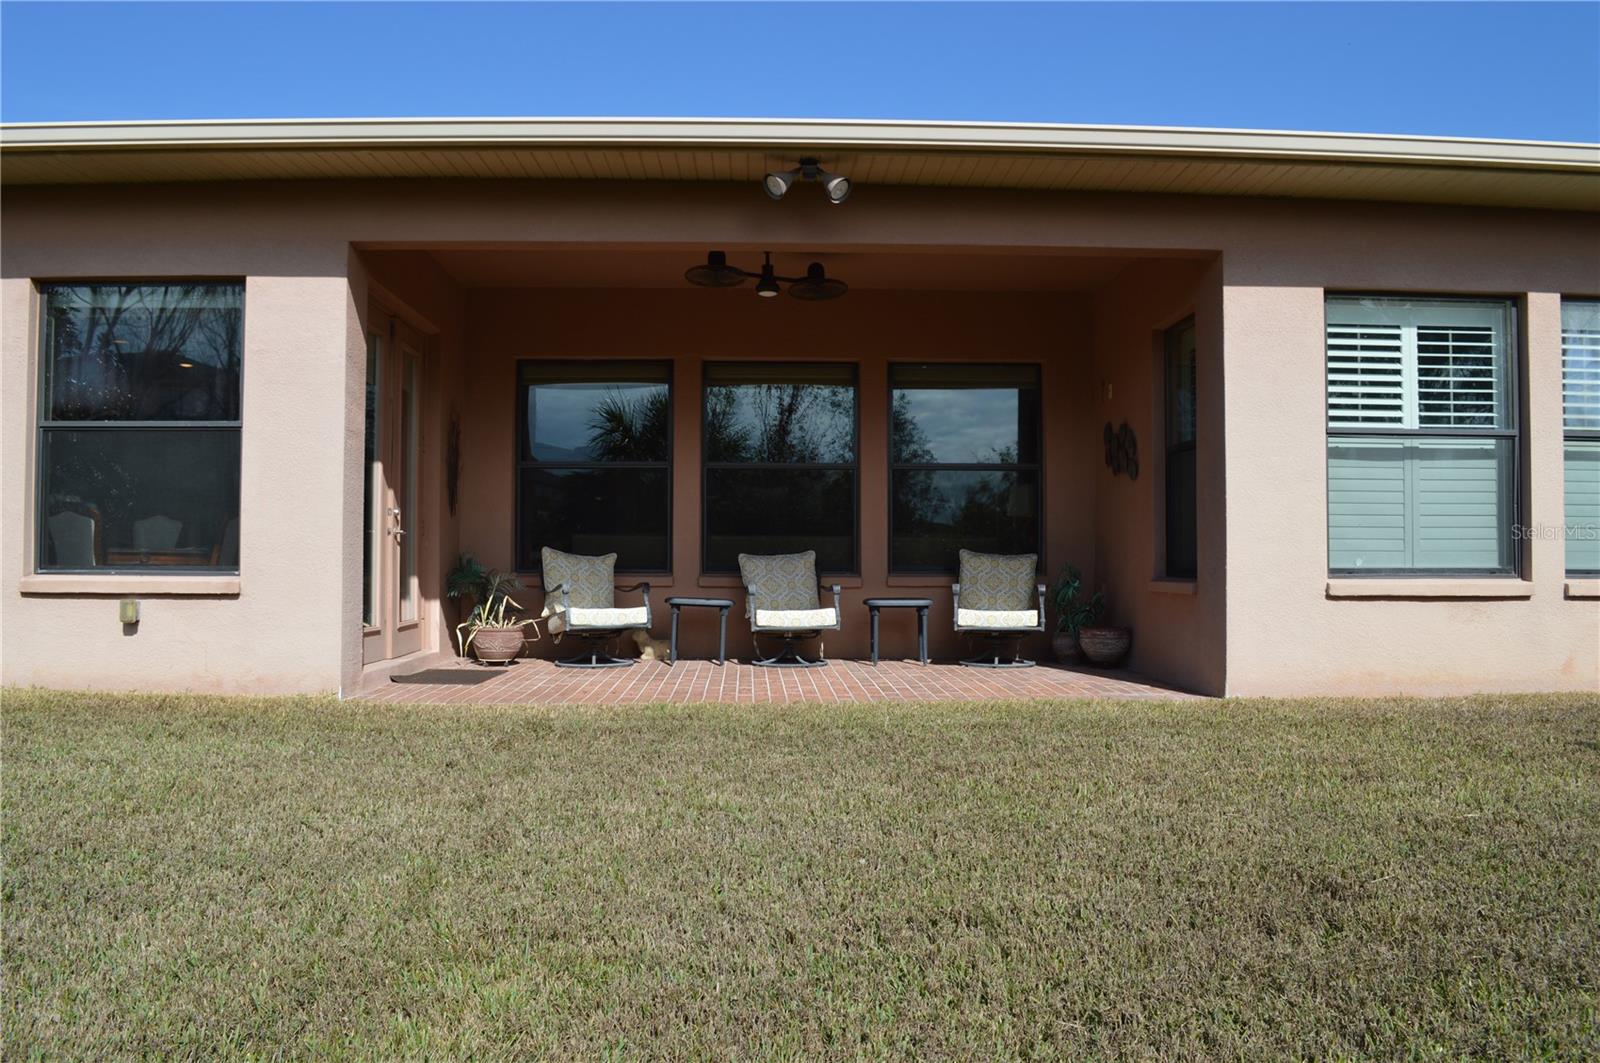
(1422, 435)
(139, 427)
(964, 450)
(594, 476)
(780, 463)
(1580, 422)
(1180, 469)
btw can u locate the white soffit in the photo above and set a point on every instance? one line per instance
(933, 154)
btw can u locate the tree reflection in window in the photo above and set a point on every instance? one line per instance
(135, 352)
(780, 462)
(964, 445)
(593, 473)
(139, 426)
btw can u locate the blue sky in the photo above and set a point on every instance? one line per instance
(1480, 69)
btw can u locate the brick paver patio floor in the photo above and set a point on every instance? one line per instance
(538, 682)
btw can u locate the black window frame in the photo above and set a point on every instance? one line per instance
(1168, 350)
(1513, 432)
(1568, 435)
(522, 462)
(854, 467)
(45, 423)
(1036, 467)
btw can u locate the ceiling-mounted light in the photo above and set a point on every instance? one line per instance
(778, 183)
(817, 285)
(767, 286)
(716, 273)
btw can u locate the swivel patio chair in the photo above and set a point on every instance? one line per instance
(781, 599)
(992, 602)
(580, 600)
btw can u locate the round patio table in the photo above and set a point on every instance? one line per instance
(921, 605)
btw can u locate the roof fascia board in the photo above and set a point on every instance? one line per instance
(794, 135)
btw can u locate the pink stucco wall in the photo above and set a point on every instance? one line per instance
(1262, 618)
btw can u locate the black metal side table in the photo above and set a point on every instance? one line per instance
(722, 605)
(921, 605)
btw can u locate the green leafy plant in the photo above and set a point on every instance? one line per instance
(1072, 615)
(490, 593)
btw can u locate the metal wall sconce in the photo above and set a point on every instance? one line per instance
(717, 273)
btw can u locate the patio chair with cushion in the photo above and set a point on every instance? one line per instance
(995, 600)
(781, 599)
(580, 600)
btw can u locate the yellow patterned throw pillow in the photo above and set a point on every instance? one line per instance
(780, 581)
(592, 579)
(998, 581)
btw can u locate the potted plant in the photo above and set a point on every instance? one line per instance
(1104, 644)
(1072, 614)
(491, 635)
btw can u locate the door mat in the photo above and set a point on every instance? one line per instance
(460, 677)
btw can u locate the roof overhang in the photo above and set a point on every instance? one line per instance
(943, 154)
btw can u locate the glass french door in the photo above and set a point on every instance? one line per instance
(391, 620)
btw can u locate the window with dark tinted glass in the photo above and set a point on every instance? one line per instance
(964, 448)
(780, 463)
(139, 427)
(594, 446)
(1180, 472)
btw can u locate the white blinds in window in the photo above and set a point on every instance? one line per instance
(1456, 385)
(1394, 365)
(1580, 365)
(1367, 379)
(1407, 490)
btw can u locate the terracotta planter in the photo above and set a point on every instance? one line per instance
(497, 645)
(1066, 647)
(1105, 645)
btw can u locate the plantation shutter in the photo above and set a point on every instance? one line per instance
(1580, 417)
(1367, 376)
(1418, 501)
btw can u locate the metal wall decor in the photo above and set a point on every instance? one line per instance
(1122, 451)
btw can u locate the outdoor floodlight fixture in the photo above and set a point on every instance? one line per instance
(814, 286)
(778, 183)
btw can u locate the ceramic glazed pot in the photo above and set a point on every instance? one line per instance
(1105, 645)
(1066, 647)
(497, 645)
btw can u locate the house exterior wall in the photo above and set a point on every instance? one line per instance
(1178, 623)
(1262, 608)
(279, 626)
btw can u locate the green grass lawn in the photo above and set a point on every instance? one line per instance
(304, 877)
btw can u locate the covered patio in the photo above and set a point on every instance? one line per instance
(533, 681)
(600, 399)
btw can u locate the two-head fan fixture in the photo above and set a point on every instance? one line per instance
(717, 273)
